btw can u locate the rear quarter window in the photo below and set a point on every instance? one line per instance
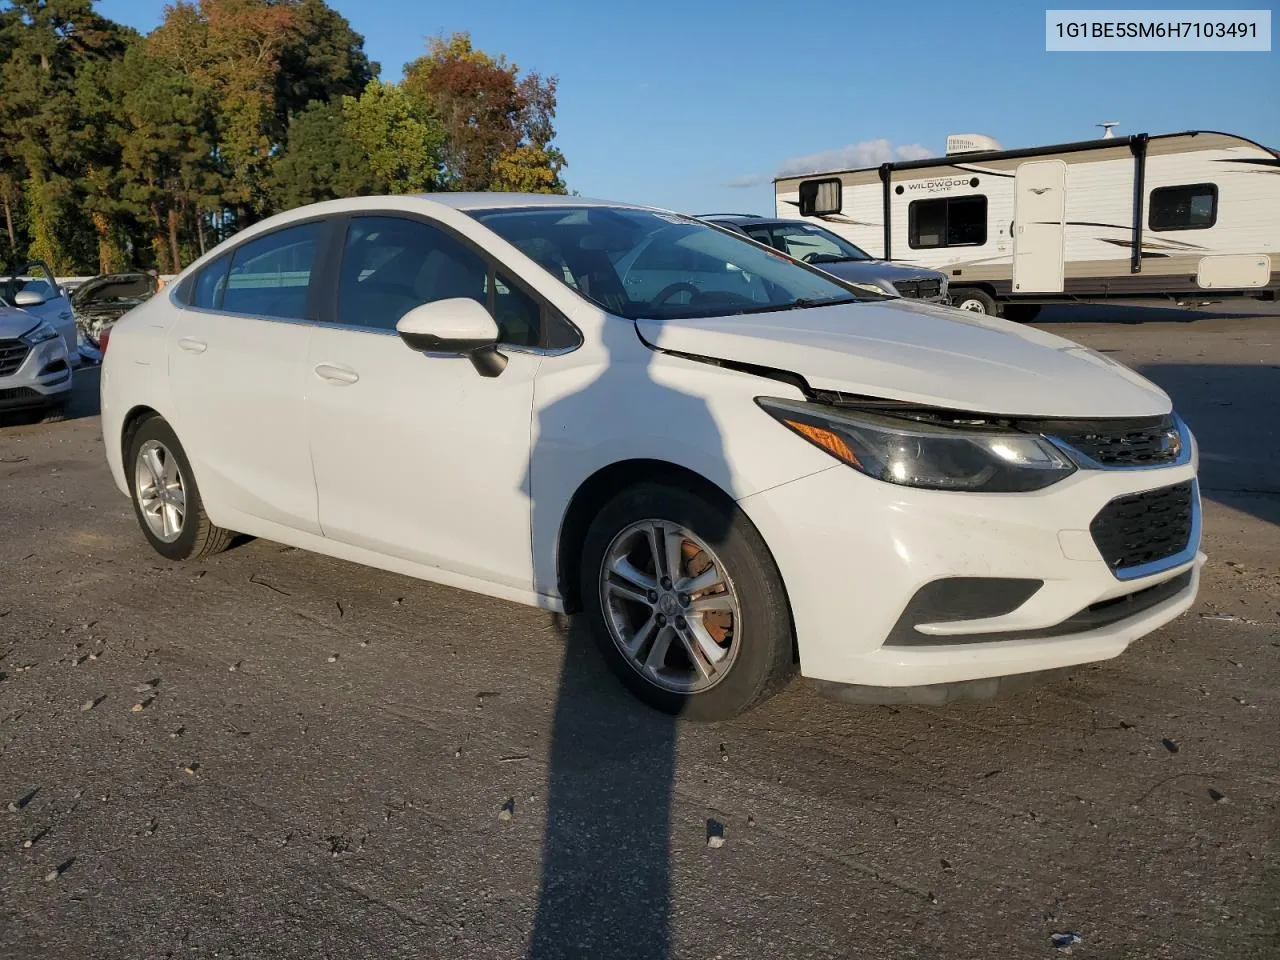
(206, 292)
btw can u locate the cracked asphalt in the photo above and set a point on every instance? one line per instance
(275, 754)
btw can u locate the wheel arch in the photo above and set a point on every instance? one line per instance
(597, 490)
(134, 419)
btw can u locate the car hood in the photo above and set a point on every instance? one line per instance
(113, 287)
(868, 270)
(14, 322)
(920, 353)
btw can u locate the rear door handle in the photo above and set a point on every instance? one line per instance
(193, 346)
(336, 374)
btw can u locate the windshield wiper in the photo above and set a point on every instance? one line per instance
(802, 303)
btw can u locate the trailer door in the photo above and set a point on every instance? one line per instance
(1040, 213)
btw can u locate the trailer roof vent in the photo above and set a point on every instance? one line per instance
(970, 143)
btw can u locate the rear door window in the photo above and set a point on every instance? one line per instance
(270, 275)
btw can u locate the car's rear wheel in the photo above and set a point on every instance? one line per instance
(166, 500)
(686, 602)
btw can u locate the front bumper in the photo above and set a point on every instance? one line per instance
(42, 379)
(853, 552)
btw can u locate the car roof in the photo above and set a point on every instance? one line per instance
(492, 200)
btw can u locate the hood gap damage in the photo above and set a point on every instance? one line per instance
(913, 411)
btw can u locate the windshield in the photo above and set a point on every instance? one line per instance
(808, 243)
(639, 263)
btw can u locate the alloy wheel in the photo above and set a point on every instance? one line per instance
(670, 606)
(161, 491)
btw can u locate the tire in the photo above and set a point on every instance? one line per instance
(195, 536)
(975, 301)
(753, 634)
(1021, 312)
(55, 413)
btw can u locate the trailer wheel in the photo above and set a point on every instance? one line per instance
(1021, 312)
(975, 301)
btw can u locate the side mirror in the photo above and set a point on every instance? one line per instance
(27, 298)
(459, 326)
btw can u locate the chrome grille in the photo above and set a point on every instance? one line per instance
(918, 289)
(1121, 443)
(12, 353)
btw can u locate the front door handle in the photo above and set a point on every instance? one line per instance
(336, 374)
(193, 346)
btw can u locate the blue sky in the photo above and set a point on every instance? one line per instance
(669, 102)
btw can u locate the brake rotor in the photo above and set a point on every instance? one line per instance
(718, 623)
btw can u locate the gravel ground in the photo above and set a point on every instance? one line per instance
(275, 754)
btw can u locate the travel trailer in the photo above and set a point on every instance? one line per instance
(1193, 217)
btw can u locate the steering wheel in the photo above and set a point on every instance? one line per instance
(670, 290)
(721, 296)
(811, 257)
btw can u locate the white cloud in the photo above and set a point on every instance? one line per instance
(913, 151)
(868, 153)
(751, 180)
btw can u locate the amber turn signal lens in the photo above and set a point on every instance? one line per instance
(827, 440)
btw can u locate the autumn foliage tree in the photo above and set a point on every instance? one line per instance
(121, 151)
(167, 131)
(400, 138)
(497, 124)
(45, 48)
(229, 50)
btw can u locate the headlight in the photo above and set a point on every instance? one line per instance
(915, 454)
(39, 334)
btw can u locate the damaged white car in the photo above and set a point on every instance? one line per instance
(756, 467)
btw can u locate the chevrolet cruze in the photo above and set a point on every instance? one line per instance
(750, 469)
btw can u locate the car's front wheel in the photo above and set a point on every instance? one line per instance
(686, 602)
(55, 412)
(166, 500)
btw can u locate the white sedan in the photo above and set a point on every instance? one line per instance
(755, 468)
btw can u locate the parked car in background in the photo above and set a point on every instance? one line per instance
(101, 301)
(752, 465)
(837, 256)
(34, 289)
(35, 367)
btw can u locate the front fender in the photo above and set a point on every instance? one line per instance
(651, 406)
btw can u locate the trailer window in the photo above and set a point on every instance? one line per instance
(818, 198)
(947, 222)
(1193, 207)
